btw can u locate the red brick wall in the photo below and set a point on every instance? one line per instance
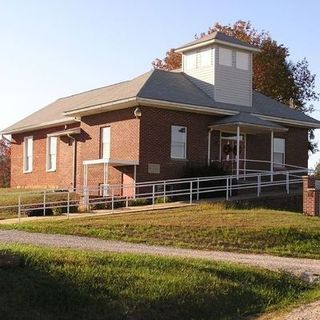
(259, 147)
(124, 143)
(155, 143)
(147, 139)
(39, 177)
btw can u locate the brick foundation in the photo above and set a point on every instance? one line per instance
(310, 197)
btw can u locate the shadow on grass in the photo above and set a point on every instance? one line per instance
(107, 286)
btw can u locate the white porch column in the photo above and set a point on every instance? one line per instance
(271, 156)
(134, 180)
(209, 146)
(238, 151)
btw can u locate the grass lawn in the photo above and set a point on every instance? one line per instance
(9, 197)
(208, 227)
(66, 284)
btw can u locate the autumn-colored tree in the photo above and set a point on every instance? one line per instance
(273, 73)
(5, 160)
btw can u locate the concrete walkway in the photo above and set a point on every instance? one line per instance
(97, 213)
(309, 269)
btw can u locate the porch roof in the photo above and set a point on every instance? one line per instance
(112, 162)
(248, 123)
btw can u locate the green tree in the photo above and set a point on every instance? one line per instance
(5, 160)
(274, 74)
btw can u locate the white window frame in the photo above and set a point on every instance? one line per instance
(188, 58)
(103, 143)
(225, 57)
(205, 58)
(52, 165)
(172, 153)
(283, 153)
(242, 60)
(27, 166)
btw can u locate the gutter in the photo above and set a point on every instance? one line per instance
(43, 125)
(289, 121)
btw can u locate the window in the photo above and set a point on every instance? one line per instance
(105, 142)
(225, 57)
(279, 152)
(190, 61)
(28, 154)
(242, 60)
(204, 58)
(178, 142)
(52, 153)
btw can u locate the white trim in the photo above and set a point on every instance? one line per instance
(48, 150)
(280, 165)
(238, 151)
(25, 151)
(100, 107)
(288, 121)
(222, 126)
(33, 127)
(184, 107)
(211, 41)
(112, 162)
(102, 141)
(65, 132)
(185, 144)
(209, 146)
(271, 157)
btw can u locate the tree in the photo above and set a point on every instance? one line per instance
(5, 160)
(273, 73)
(317, 171)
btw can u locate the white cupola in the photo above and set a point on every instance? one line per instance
(221, 66)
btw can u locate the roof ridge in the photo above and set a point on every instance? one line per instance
(187, 77)
(152, 71)
(102, 87)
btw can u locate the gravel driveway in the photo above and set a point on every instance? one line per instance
(309, 269)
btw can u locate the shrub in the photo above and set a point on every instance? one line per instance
(63, 210)
(139, 202)
(195, 170)
(162, 200)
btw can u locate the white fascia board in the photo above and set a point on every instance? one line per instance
(112, 162)
(208, 42)
(269, 128)
(289, 121)
(184, 107)
(114, 105)
(65, 132)
(43, 125)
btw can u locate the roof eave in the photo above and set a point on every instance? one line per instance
(306, 124)
(43, 125)
(184, 107)
(240, 123)
(213, 41)
(100, 108)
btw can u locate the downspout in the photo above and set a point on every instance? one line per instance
(209, 146)
(74, 160)
(6, 139)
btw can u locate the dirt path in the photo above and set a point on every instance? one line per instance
(307, 268)
(307, 312)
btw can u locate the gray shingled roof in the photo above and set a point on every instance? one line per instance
(218, 36)
(55, 111)
(157, 85)
(244, 118)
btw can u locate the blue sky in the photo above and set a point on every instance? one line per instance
(55, 48)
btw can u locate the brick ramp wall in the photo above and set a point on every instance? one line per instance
(281, 202)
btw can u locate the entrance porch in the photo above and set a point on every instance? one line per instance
(100, 184)
(233, 140)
